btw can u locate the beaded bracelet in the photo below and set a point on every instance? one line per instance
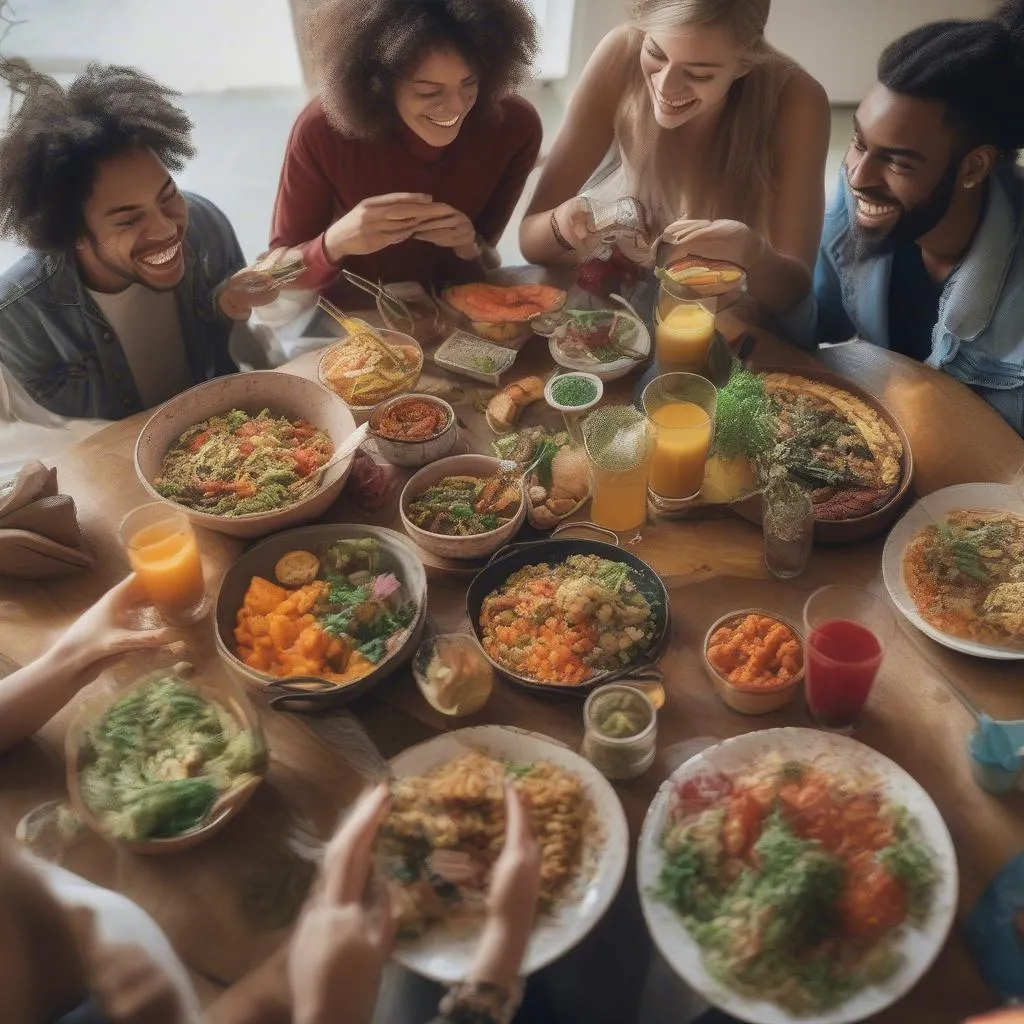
(559, 237)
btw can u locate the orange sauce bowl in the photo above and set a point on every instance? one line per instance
(746, 698)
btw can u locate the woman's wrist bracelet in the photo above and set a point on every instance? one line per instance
(559, 237)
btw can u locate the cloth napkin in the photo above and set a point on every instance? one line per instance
(39, 531)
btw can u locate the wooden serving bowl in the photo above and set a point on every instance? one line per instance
(284, 394)
(847, 531)
(227, 806)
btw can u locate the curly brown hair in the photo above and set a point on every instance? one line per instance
(57, 138)
(363, 48)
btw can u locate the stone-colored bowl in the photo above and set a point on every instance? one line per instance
(480, 544)
(284, 394)
(413, 454)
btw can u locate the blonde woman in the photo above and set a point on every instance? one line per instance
(722, 139)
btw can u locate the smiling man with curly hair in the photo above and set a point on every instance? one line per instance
(409, 163)
(128, 293)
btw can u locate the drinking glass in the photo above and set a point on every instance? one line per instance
(162, 549)
(618, 444)
(847, 630)
(684, 329)
(680, 408)
(788, 524)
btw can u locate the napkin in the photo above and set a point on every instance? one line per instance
(39, 531)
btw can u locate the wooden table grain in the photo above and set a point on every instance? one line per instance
(712, 567)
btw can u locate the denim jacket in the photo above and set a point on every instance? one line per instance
(56, 342)
(979, 335)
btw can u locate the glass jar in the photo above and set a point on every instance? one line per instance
(620, 731)
(788, 522)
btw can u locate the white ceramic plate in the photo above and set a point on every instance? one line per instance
(831, 752)
(446, 955)
(1001, 497)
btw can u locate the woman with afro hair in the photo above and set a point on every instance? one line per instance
(409, 163)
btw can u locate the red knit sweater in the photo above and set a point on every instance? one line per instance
(326, 173)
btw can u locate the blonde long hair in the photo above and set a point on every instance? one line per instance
(735, 180)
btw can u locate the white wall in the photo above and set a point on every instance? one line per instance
(839, 41)
(190, 45)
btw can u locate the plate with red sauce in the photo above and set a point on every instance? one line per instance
(844, 806)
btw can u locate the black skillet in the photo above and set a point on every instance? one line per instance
(553, 551)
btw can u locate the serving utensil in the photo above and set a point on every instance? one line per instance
(308, 484)
(390, 306)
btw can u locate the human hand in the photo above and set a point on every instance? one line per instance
(728, 240)
(511, 902)
(377, 222)
(571, 218)
(241, 293)
(450, 229)
(998, 1017)
(104, 629)
(341, 945)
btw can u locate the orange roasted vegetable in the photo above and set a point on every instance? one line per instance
(278, 633)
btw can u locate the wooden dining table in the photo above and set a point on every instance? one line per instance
(712, 565)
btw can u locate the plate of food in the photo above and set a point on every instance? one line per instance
(458, 779)
(560, 616)
(164, 763)
(822, 432)
(369, 365)
(502, 313)
(236, 453)
(464, 507)
(323, 613)
(954, 566)
(792, 874)
(608, 343)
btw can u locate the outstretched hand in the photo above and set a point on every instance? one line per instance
(104, 629)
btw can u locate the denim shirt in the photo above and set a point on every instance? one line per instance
(57, 343)
(979, 335)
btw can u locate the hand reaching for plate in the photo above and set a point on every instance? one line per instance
(341, 944)
(512, 900)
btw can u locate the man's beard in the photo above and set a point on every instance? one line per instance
(912, 224)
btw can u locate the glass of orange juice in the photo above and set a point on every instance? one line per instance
(617, 441)
(680, 408)
(684, 330)
(163, 552)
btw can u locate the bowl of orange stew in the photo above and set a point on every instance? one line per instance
(755, 659)
(413, 430)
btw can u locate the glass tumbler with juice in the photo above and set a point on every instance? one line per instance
(847, 631)
(163, 552)
(618, 446)
(680, 408)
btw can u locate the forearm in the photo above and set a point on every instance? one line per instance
(537, 241)
(33, 695)
(779, 283)
(261, 997)
(499, 956)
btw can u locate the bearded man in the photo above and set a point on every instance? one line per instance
(923, 244)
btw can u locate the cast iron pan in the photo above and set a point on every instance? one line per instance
(553, 551)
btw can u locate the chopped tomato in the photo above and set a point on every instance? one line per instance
(199, 440)
(872, 901)
(701, 791)
(305, 461)
(245, 448)
(742, 819)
